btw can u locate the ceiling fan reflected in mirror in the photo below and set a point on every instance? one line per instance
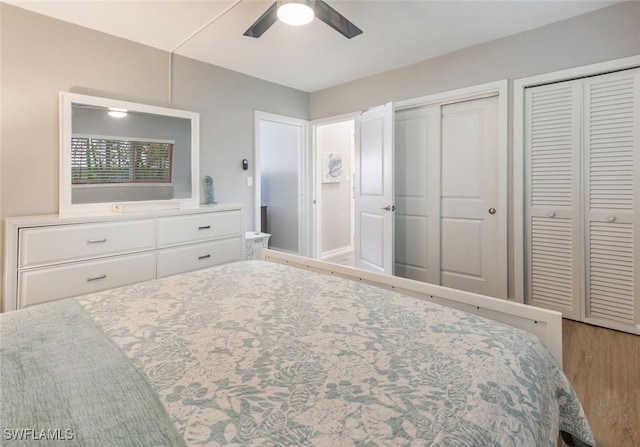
(300, 12)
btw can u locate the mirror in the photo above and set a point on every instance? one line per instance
(122, 156)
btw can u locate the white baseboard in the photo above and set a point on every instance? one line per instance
(337, 253)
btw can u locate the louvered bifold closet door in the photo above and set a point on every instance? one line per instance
(612, 193)
(553, 134)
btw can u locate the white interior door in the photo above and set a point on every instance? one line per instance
(470, 239)
(582, 191)
(374, 190)
(611, 192)
(553, 228)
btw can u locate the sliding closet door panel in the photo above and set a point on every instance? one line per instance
(611, 188)
(553, 200)
(417, 180)
(470, 185)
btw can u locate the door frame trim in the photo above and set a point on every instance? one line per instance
(467, 93)
(519, 86)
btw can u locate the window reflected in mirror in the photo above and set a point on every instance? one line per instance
(114, 152)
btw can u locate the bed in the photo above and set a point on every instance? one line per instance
(261, 353)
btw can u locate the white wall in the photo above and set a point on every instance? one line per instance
(336, 198)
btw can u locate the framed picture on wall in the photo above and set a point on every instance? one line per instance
(331, 168)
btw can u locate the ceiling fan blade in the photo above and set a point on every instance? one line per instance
(335, 20)
(264, 22)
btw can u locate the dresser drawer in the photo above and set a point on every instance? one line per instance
(41, 285)
(66, 243)
(197, 227)
(198, 256)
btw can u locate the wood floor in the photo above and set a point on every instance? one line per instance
(604, 368)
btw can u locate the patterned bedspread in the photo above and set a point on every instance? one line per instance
(261, 354)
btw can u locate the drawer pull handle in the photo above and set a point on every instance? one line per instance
(96, 278)
(204, 257)
(206, 227)
(96, 241)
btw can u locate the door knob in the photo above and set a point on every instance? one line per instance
(492, 210)
(389, 208)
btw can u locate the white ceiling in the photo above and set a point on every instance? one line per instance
(312, 57)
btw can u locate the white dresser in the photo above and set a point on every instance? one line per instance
(49, 257)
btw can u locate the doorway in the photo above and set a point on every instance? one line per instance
(280, 181)
(353, 206)
(333, 143)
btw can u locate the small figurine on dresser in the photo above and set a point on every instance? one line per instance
(208, 181)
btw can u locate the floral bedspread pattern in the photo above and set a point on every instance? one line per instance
(261, 354)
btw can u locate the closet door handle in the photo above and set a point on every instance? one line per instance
(551, 214)
(200, 258)
(97, 241)
(492, 211)
(611, 218)
(204, 227)
(96, 278)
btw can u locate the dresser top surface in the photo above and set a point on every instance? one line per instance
(55, 219)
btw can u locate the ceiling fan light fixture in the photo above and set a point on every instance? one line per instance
(295, 12)
(117, 113)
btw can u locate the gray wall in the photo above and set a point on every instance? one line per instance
(42, 56)
(604, 35)
(226, 101)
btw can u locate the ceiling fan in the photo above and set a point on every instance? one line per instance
(308, 9)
